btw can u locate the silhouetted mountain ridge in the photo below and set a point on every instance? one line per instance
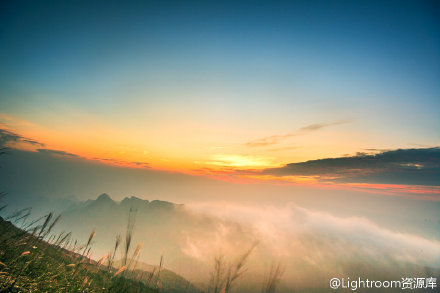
(104, 198)
(188, 240)
(163, 227)
(132, 202)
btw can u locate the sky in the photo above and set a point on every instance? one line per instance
(238, 90)
(312, 125)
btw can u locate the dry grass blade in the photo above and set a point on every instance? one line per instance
(275, 274)
(37, 262)
(217, 279)
(52, 225)
(129, 233)
(32, 223)
(46, 222)
(101, 260)
(151, 276)
(65, 237)
(111, 259)
(135, 253)
(92, 235)
(159, 270)
(25, 216)
(138, 249)
(123, 268)
(234, 272)
(17, 215)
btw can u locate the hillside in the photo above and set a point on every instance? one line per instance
(189, 241)
(165, 229)
(28, 263)
(169, 281)
(184, 244)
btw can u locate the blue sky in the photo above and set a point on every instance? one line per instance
(259, 68)
(329, 105)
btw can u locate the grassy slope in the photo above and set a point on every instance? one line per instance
(28, 264)
(169, 281)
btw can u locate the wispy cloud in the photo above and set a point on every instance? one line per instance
(274, 139)
(122, 163)
(57, 153)
(17, 141)
(14, 140)
(8, 137)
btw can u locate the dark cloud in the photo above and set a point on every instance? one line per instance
(56, 152)
(274, 139)
(7, 137)
(33, 142)
(378, 150)
(402, 166)
(142, 164)
(123, 163)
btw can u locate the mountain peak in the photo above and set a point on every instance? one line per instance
(104, 198)
(134, 200)
(162, 204)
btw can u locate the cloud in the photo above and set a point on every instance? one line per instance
(57, 153)
(315, 244)
(122, 163)
(16, 141)
(317, 126)
(401, 166)
(274, 139)
(270, 222)
(7, 138)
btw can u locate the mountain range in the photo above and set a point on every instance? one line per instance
(311, 246)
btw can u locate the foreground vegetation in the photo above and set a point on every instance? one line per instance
(34, 260)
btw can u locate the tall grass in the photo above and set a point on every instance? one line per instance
(224, 276)
(129, 233)
(271, 282)
(36, 260)
(112, 258)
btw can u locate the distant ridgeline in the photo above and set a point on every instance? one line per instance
(53, 254)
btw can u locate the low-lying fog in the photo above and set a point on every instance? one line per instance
(311, 245)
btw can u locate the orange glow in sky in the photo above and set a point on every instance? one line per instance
(207, 151)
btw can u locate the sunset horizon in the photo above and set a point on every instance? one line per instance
(299, 140)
